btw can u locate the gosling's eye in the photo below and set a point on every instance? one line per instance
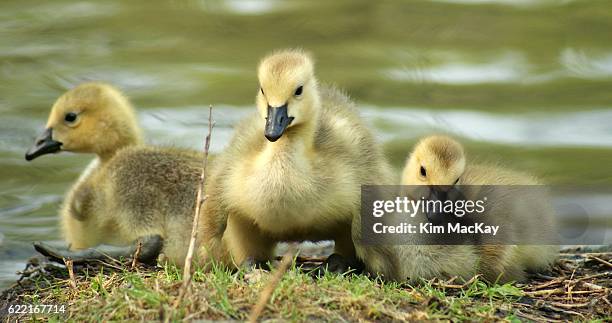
(423, 172)
(262, 92)
(298, 91)
(70, 117)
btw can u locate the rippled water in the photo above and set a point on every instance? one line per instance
(526, 83)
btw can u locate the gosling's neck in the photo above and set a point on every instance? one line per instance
(107, 152)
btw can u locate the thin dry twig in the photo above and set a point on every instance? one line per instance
(70, 267)
(554, 281)
(265, 295)
(607, 273)
(601, 261)
(573, 305)
(593, 287)
(456, 286)
(545, 292)
(136, 254)
(200, 199)
(535, 318)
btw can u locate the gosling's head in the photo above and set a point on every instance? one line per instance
(90, 118)
(288, 93)
(435, 160)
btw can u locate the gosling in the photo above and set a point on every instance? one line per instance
(129, 191)
(293, 171)
(439, 163)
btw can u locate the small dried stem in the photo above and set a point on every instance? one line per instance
(200, 199)
(601, 261)
(265, 295)
(70, 267)
(136, 254)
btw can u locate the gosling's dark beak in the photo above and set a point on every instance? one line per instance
(435, 215)
(442, 193)
(277, 122)
(439, 193)
(44, 144)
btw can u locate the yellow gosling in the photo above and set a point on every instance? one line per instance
(128, 191)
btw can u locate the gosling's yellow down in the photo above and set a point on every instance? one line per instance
(293, 171)
(439, 161)
(128, 191)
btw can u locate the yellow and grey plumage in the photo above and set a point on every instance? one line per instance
(523, 216)
(304, 185)
(129, 190)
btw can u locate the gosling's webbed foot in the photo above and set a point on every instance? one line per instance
(149, 251)
(338, 264)
(257, 264)
(50, 252)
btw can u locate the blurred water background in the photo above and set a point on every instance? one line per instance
(526, 83)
